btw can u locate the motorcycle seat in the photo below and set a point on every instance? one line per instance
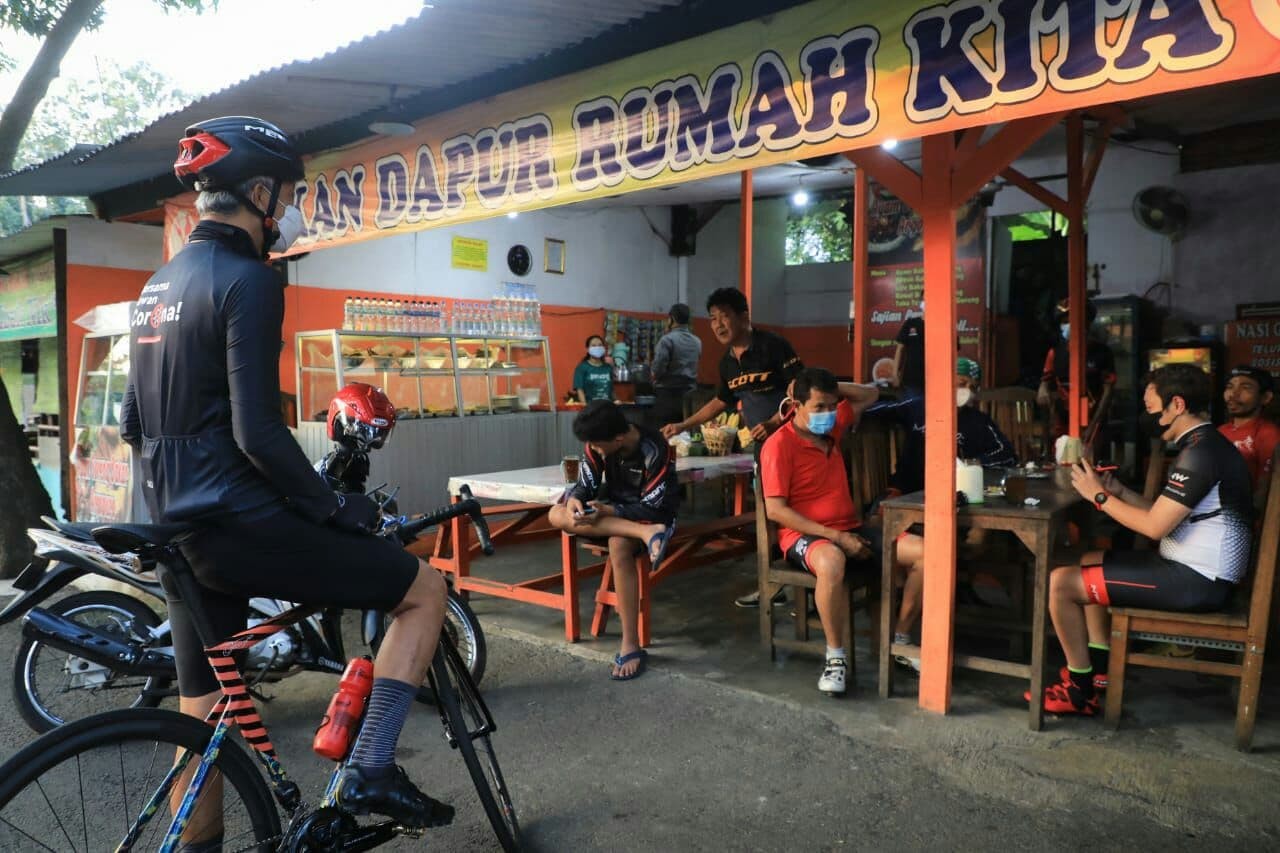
(123, 538)
(80, 532)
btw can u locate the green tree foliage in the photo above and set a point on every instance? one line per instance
(819, 233)
(119, 101)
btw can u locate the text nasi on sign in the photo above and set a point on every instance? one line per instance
(824, 77)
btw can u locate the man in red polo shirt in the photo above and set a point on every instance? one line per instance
(1248, 392)
(806, 492)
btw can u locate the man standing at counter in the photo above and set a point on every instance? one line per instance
(675, 364)
(755, 372)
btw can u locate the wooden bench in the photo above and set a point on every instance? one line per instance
(695, 544)
(1242, 630)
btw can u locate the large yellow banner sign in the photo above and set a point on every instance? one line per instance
(828, 76)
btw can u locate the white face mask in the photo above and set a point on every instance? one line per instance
(964, 396)
(290, 226)
(1065, 328)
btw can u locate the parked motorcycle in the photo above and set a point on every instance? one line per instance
(101, 650)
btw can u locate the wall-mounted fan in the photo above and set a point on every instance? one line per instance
(1164, 210)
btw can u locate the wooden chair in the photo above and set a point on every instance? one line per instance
(773, 574)
(1014, 411)
(870, 452)
(1239, 629)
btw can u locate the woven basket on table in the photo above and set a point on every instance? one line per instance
(719, 440)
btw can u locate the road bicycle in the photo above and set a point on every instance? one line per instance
(141, 778)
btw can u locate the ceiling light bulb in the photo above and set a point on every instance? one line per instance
(512, 214)
(800, 198)
(889, 144)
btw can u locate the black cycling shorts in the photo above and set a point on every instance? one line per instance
(798, 553)
(282, 556)
(1145, 579)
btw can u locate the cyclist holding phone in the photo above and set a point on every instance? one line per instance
(202, 409)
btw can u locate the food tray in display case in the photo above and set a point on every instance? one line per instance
(426, 376)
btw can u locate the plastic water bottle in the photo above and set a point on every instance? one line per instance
(342, 719)
(346, 313)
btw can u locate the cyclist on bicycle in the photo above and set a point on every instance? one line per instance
(203, 410)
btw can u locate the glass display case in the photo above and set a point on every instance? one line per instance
(426, 376)
(102, 470)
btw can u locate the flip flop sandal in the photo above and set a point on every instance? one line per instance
(619, 660)
(665, 536)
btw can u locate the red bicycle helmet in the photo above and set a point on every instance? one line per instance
(223, 153)
(361, 417)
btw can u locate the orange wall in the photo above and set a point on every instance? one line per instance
(87, 288)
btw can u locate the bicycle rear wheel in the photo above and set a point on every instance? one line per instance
(468, 724)
(83, 785)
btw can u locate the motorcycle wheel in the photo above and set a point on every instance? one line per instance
(52, 687)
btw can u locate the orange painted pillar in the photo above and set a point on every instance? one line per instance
(860, 322)
(744, 235)
(938, 621)
(1077, 401)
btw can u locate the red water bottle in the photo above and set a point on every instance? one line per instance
(342, 720)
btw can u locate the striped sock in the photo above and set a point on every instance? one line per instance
(389, 703)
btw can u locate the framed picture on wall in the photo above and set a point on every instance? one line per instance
(553, 256)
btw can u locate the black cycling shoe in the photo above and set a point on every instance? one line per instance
(392, 795)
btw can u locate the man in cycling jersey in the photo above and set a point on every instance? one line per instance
(202, 409)
(1202, 519)
(627, 493)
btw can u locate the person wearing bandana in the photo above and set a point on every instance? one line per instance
(202, 409)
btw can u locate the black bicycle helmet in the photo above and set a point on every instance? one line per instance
(223, 153)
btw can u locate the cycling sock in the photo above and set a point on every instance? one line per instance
(835, 653)
(389, 703)
(1099, 657)
(1082, 679)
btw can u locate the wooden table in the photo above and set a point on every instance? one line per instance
(533, 491)
(1035, 527)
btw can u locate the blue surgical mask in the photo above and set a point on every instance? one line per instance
(1065, 328)
(595, 352)
(821, 423)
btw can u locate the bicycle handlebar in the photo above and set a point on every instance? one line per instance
(467, 506)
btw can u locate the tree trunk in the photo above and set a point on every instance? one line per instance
(35, 83)
(22, 496)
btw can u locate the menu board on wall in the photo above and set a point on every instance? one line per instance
(103, 480)
(895, 262)
(1255, 342)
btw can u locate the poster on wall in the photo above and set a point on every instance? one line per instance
(469, 253)
(103, 484)
(895, 267)
(27, 307)
(1255, 342)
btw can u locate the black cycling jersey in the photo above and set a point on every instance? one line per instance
(1211, 478)
(977, 437)
(760, 377)
(641, 486)
(203, 401)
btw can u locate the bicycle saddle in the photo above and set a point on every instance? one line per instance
(80, 532)
(122, 538)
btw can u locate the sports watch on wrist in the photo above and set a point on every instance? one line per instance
(1100, 498)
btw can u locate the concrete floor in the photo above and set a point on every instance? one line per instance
(1173, 759)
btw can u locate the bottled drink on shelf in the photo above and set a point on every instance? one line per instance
(346, 313)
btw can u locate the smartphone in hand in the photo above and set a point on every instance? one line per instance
(586, 511)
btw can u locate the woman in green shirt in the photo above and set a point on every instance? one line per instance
(592, 378)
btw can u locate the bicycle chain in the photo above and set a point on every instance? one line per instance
(257, 845)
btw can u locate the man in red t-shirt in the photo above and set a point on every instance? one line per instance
(1248, 392)
(806, 491)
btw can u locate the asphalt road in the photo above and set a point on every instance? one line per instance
(673, 763)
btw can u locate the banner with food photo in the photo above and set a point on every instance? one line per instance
(895, 272)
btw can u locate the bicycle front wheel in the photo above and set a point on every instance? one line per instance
(468, 724)
(83, 786)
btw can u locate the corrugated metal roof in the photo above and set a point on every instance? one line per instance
(432, 60)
